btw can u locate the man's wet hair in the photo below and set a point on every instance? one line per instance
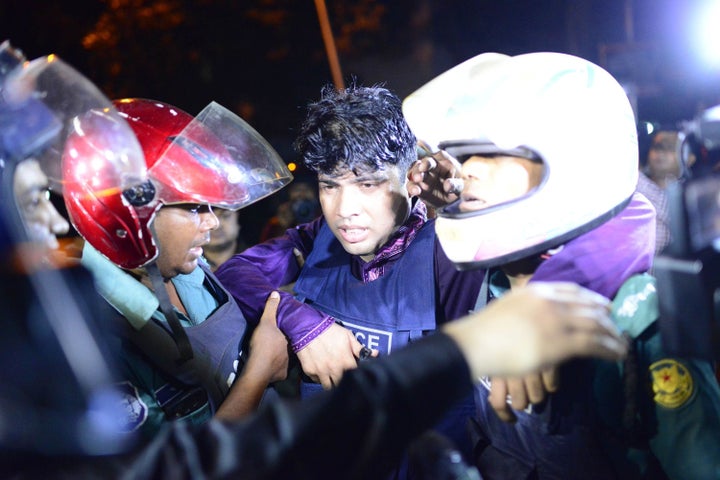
(357, 128)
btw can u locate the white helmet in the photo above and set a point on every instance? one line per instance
(554, 108)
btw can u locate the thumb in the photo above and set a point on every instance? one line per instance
(299, 258)
(271, 306)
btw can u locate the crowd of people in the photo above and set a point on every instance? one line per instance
(517, 321)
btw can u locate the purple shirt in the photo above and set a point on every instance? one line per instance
(605, 257)
(251, 275)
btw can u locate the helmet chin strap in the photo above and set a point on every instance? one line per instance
(178, 332)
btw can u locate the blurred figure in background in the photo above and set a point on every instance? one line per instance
(661, 166)
(226, 240)
(302, 206)
(40, 217)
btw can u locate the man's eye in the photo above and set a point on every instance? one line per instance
(37, 198)
(369, 185)
(192, 208)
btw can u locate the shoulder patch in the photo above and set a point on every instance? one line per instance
(672, 383)
(635, 306)
(134, 409)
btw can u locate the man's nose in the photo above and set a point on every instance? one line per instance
(348, 203)
(57, 223)
(209, 220)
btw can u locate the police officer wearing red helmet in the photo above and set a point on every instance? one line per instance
(184, 341)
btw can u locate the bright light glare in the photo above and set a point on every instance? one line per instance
(708, 33)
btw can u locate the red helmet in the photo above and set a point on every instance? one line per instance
(214, 158)
(101, 160)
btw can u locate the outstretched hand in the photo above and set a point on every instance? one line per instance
(537, 327)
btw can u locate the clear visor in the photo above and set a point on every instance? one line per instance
(232, 165)
(492, 178)
(65, 106)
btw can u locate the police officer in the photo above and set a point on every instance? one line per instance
(545, 197)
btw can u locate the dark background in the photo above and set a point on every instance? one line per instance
(265, 59)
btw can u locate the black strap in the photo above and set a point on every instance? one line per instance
(179, 335)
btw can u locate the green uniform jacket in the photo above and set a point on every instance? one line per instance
(674, 408)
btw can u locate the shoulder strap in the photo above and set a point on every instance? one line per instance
(159, 347)
(185, 351)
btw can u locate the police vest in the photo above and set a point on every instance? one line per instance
(217, 349)
(384, 314)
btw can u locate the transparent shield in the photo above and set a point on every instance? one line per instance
(221, 160)
(65, 106)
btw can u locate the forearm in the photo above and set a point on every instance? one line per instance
(301, 323)
(253, 274)
(259, 270)
(245, 395)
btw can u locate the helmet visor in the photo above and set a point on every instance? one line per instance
(62, 105)
(218, 159)
(493, 178)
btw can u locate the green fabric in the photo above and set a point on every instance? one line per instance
(147, 380)
(198, 302)
(685, 438)
(131, 298)
(635, 307)
(138, 304)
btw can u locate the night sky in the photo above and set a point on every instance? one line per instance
(265, 59)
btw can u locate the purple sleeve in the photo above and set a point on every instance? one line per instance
(250, 276)
(457, 290)
(605, 257)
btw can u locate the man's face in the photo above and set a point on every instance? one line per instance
(662, 159)
(42, 221)
(300, 191)
(227, 231)
(181, 231)
(490, 181)
(364, 210)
